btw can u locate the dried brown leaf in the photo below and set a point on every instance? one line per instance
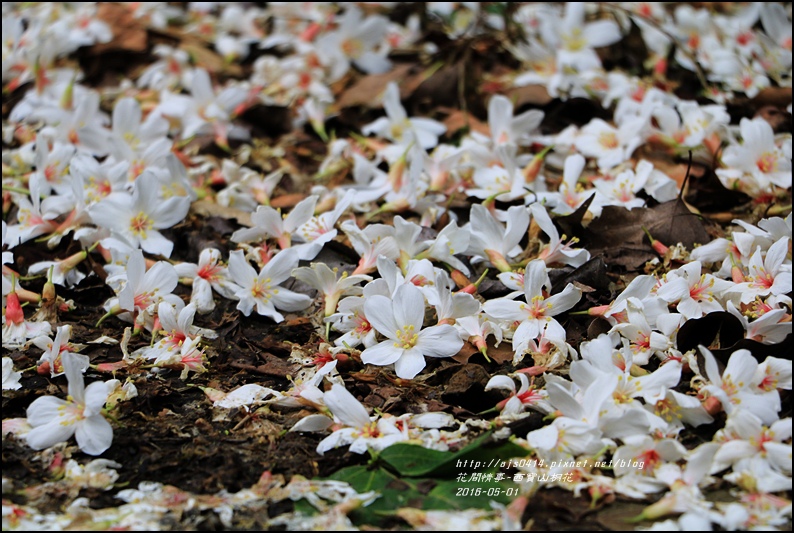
(618, 233)
(457, 120)
(536, 95)
(368, 91)
(129, 33)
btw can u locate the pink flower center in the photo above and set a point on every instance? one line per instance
(362, 325)
(649, 460)
(744, 38)
(769, 383)
(700, 289)
(140, 224)
(767, 162)
(419, 280)
(209, 272)
(143, 300)
(763, 280)
(608, 140)
(537, 307)
(529, 396)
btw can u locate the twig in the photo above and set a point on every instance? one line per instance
(686, 178)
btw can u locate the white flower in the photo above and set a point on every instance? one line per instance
(263, 289)
(774, 373)
(10, 376)
(506, 129)
(55, 420)
(526, 396)
(536, 314)
(132, 136)
(677, 409)
(450, 241)
(575, 39)
(576, 431)
(734, 388)
(745, 438)
(17, 330)
(321, 277)
(397, 127)
(756, 164)
(694, 294)
(490, 240)
(350, 320)
(407, 345)
(571, 193)
(644, 450)
(359, 430)
(207, 275)
(450, 307)
(269, 223)
(205, 111)
(370, 243)
(770, 328)
(770, 276)
(144, 289)
(612, 146)
(555, 251)
(684, 495)
(53, 349)
(354, 40)
(138, 218)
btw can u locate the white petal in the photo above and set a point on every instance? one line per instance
(434, 420)
(563, 301)
(378, 310)
(94, 435)
(312, 423)
(280, 267)
(535, 278)
(241, 270)
(439, 341)
(42, 437)
(155, 243)
(345, 407)
(501, 382)
(96, 394)
(290, 301)
(409, 307)
(300, 214)
(409, 364)
(336, 439)
(544, 438)
(741, 367)
(44, 410)
(382, 354)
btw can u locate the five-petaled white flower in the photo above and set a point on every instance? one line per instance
(397, 127)
(263, 289)
(407, 344)
(137, 218)
(359, 430)
(54, 420)
(538, 311)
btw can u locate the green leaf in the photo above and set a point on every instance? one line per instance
(464, 479)
(473, 495)
(479, 454)
(362, 478)
(414, 460)
(427, 494)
